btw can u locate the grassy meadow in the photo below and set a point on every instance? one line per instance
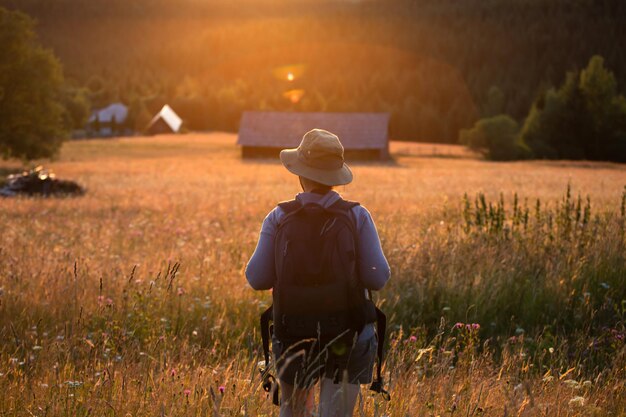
(131, 300)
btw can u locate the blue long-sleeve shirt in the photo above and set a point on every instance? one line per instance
(373, 268)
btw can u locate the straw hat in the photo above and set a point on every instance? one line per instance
(319, 157)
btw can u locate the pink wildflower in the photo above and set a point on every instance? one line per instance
(413, 339)
(187, 392)
(180, 291)
(222, 388)
(109, 302)
(173, 372)
(475, 326)
(459, 325)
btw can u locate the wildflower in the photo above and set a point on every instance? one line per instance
(187, 392)
(551, 350)
(519, 330)
(180, 291)
(222, 388)
(617, 335)
(100, 299)
(109, 302)
(577, 402)
(413, 338)
(475, 326)
(173, 372)
(458, 325)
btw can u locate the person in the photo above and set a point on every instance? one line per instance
(319, 164)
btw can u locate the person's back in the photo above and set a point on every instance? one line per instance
(320, 297)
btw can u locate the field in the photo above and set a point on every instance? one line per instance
(131, 300)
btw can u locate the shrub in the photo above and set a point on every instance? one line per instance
(497, 137)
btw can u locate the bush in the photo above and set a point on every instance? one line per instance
(497, 137)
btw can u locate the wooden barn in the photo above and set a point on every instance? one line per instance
(262, 134)
(165, 121)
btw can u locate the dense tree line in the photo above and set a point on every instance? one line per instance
(436, 66)
(585, 118)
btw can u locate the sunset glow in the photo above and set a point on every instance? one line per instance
(313, 208)
(294, 95)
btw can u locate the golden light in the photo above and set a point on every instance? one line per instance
(294, 95)
(289, 72)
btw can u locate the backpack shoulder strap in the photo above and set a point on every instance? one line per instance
(290, 206)
(343, 205)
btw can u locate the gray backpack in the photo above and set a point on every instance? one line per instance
(317, 293)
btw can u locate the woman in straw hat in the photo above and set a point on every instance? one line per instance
(319, 164)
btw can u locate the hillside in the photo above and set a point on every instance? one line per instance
(435, 65)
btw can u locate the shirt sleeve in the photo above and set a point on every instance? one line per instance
(260, 271)
(374, 270)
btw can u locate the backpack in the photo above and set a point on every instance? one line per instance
(317, 293)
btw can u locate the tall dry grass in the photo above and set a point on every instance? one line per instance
(131, 300)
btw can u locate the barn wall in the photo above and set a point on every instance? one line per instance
(259, 152)
(159, 127)
(349, 154)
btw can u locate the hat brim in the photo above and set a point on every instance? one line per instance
(341, 176)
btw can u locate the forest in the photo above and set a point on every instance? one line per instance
(435, 66)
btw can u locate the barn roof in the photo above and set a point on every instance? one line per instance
(285, 129)
(117, 110)
(169, 116)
